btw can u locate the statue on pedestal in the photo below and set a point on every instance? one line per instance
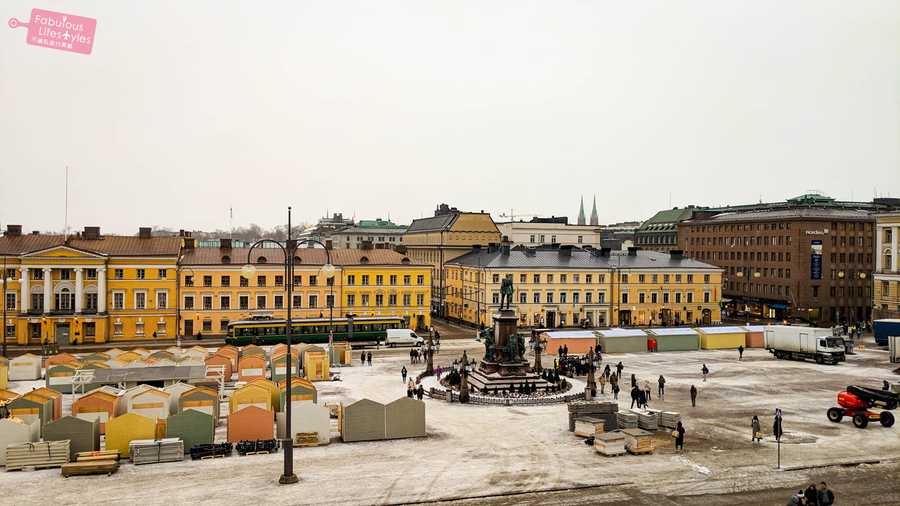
(506, 292)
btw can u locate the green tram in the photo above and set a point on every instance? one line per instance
(263, 331)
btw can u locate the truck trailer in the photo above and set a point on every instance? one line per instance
(804, 343)
(883, 329)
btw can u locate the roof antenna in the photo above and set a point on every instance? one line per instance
(66, 219)
(231, 221)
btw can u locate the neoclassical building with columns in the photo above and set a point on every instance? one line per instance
(88, 287)
(887, 266)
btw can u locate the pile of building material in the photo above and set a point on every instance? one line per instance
(306, 439)
(638, 441)
(669, 419)
(604, 410)
(626, 420)
(210, 451)
(257, 447)
(588, 426)
(610, 444)
(647, 420)
(95, 462)
(38, 455)
(155, 451)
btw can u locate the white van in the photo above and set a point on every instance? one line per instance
(402, 337)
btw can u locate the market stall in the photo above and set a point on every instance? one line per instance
(251, 423)
(192, 427)
(675, 339)
(717, 338)
(578, 342)
(84, 435)
(121, 430)
(621, 340)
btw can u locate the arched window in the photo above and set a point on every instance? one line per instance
(297, 260)
(226, 259)
(261, 260)
(364, 260)
(64, 300)
(404, 261)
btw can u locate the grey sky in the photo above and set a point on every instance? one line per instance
(378, 107)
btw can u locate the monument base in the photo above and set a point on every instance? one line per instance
(496, 377)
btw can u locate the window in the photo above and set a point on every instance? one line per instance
(161, 273)
(141, 274)
(379, 280)
(589, 278)
(495, 278)
(91, 273)
(562, 297)
(312, 281)
(117, 327)
(420, 299)
(244, 302)
(641, 278)
(313, 301)
(536, 278)
(162, 300)
(65, 274)
(815, 291)
(298, 300)
(665, 297)
(225, 281)
(690, 297)
(641, 298)
(624, 279)
(260, 281)
(188, 280)
(420, 280)
(690, 278)
(297, 280)
(118, 300)
(279, 301)
(706, 297)
(392, 299)
(678, 297)
(531, 239)
(537, 297)
(379, 300)
(11, 301)
(90, 329)
(207, 302)
(407, 299)
(549, 297)
(207, 325)
(188, 301)
(207, 281)
(576, 297)
(91, 302)
(549, 278)
(260, 302)
(224, 302)
(279, 280)
(523, 298)
(393, 279)
(495, 298)
(139, 327)
(624, 297)
(678, 278)
(579, 239)
(223, 325)
(37, 274)
(364, 300)
(140, 300)
(119, 273)
(407, 279)
(601, 298)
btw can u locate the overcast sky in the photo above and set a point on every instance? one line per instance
(379, 108)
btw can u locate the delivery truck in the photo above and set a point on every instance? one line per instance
(804, 343)
(884, 329)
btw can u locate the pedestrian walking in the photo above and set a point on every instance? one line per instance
(420, 392)
(634, 397)
(679, 437)
(756, 430)
(741, 352)
(777, 428)
(662, 387)
(642, 400)
(369, 358)
(410, 388)
(615, 389)
(693, 396)
(826, 498)
(603, 381)
(438, 371)
(362, 358)
(619, 368)
(811, 494)
(705, 371)
(606, 371)
(403, 373)
(647, 390)
(633, 380)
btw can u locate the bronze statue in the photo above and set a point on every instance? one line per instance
(506, 292)
(488, 336)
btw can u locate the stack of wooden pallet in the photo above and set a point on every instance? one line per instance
(604, 410)
(669, 419)
(587, 426)
(647, 420)
(610, 444)
(626, 420)
(203, 452)
(39, 455)
(638, 442)
(155, 451)
(98, 462)
(306, 439)
(257, 447)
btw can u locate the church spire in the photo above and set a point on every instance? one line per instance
(595, 221)
(581, 212)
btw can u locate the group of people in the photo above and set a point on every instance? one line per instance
(415, 356)
(365, 357)
(413, 391)
(813, 495)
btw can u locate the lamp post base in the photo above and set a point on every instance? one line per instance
(286, 479)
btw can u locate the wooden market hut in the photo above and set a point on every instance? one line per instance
(83, 435)
(620, 340)
(202, 399)
(197, 352)
(273, 390)
(125, 358)
(151, 402)
(57, 400)
(114, 352)
(307, 416)
(363, 421)
(143, 352)
(61, 358)
(16, 430)
(252, 350)
(278, 366)
(301, 390)
(577, 341)
(7, 395)
(59, 376)
(405, 418)
(343, 352)
(122, 430)
(675, 339)
(95, 357)
(97, 405)
(315, 364)
(719, 338)
(300, 348)
(251, 423)
(192, 427)
(755, 337)
(250, 395)
(221, 360)
(251, 367)
(162, 355)
(25, 367)
(31, 406)
(231, 352)
(175, 390)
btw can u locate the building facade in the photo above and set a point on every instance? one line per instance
(660, 232)
(88, 287)
(814, 263)
(887, 266)
(370, 282)
(448, 234)
(378, 233)
(569, 287)
(553, 230)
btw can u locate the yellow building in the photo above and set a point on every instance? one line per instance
(88, 287)
(448, 234)
(887, 266)
(567, 286)
(376, 282)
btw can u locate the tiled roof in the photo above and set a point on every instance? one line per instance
(441, 222)
(579, 259)
(308, 256)
(112, 245)
(668, 216)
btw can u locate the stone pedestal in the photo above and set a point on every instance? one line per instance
(505, 369)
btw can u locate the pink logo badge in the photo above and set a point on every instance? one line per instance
(59, 31)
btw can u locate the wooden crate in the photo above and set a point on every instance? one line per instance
(80, 468)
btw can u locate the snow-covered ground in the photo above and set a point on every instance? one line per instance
(484, 450)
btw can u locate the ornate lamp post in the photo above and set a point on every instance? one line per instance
(429, 355)
(464, 380)
(289, 249)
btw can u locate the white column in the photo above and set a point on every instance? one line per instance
(24, 296)
(48, 289)
(879, 249)
(79, 289)
(894, 232)
(101, 290)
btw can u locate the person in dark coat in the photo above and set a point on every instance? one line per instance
(606, 371)
(615, 389)
(362, 358)
(662, 387)
(777, 428)
(705, 371)
(679, 437)
(693, 396)
(756, 430)
(633, 380)
(811, 494)
(826, 498)
(403, 373)
(741, 352)
(420, 392)
(642, 399)
(634, 397)
(369, 358)
(619, 368)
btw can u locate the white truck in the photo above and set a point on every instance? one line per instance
(804, 343)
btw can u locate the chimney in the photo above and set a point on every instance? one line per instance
(476, 248)
(632, 251)
(188, 243)
(504, 246)
(91, 233)
(13, 230)
(35, 232)
(181, 233)
(145, 232)
(493, 247)
(225, 243)
(400, 248)
(604, 252)
(565, 251)
(329, 244)
(676, 254)
(530, 252)
(367, 245)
